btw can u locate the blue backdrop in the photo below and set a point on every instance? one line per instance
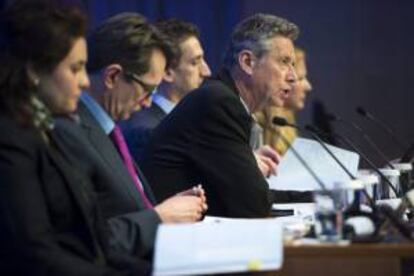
(359, 51)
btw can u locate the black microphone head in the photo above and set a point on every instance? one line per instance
(280, 121)
(361, 111)
(311, 128)
(332, 117)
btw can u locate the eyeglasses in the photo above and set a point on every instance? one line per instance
(148, 88)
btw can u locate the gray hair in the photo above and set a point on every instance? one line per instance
(254, 33)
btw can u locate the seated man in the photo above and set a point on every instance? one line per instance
(205, 139)
(294, 104)
(185, 73)
(127, 59)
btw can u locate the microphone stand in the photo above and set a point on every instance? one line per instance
(365, 136)
(383, 215)
(370, 117)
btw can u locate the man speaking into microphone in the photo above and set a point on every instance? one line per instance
(205, 139)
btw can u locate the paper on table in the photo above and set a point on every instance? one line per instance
(292, 175)
(218, 246)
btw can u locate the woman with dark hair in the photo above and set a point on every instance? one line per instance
(50, 223)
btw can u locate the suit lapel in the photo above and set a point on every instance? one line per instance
(147, 188)
(82, 194)
(108, 153)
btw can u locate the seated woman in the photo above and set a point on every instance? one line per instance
(50, 222)
(294, 104)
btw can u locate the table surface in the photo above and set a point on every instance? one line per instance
(352, 250)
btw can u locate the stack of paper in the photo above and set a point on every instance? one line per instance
(292, 175)
(218, 246)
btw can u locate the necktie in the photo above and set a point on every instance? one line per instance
(256, 136)
(119, 141)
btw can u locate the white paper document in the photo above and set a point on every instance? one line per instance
(218, 246)
(292, 175)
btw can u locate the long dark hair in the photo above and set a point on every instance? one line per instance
(36, 32)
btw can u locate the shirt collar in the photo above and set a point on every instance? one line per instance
(166, 105)
(245, 105)
(104, 120)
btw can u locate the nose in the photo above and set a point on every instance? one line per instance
(84, 82)
(291, 75)
(205, 70)
(308, 85)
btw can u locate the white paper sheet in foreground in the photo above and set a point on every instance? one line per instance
(218, 246)
(293, 176)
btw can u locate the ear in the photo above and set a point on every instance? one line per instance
(111, 75)
(169, 75)
(247, 61)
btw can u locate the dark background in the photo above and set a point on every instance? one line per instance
(359, 51)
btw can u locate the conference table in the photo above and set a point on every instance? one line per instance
(353, 259)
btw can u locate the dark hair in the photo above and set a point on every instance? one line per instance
(177, 32)
(36, 32)
(254, 33)
(126, 39)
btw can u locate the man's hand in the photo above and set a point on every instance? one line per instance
(187, 206)
(267, 160)
(196, 191)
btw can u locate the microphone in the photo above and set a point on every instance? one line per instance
(351, 124)
(280, 121)
(389, 215)
(408, 154)
(367, 115)
(350, 144)
(283, 122)
(358, 224)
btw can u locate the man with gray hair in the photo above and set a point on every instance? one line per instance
(205, 139)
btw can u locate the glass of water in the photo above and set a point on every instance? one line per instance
(329, 206)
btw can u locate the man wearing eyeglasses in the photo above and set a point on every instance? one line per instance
(127, 60)
(186, 72)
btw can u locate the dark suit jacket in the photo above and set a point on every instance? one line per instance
(205, 139)
(138, 129)
(133, 226)
(50, 223)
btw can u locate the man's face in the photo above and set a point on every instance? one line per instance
(191, 69)
(273, 75)
(133, 92)
(296, 101)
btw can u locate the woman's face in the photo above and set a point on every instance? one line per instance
(296, 100)
(60, 90)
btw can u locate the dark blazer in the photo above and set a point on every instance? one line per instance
(133, 226)
(138, 129)
(205, 139)
(50, 223)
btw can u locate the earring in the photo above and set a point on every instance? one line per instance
(36, 81)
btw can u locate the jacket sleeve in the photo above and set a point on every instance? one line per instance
(226, 160)
(134, 233)
(27, 230)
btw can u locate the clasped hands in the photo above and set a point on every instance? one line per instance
(186, 206)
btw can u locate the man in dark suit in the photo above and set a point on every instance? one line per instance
(205, 139)
(185, 73)
(127, 61)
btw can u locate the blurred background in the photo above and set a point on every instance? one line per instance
(359, 52)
